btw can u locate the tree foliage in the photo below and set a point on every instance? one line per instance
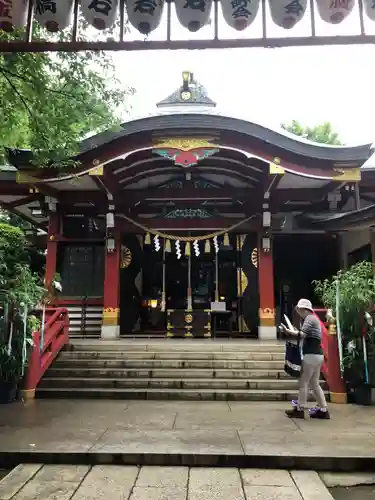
(322, 133)
(355, 287)
(51, 101)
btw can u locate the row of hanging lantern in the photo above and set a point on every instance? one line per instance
(189, 245)
(145, 15)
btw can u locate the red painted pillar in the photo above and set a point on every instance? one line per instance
(267, 326)
(51, 257)
(111, 296)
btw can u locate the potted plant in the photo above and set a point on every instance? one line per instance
(350, 295)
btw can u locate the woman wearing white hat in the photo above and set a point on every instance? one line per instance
(311, 335)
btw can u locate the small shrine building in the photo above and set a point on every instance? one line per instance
(194, 224)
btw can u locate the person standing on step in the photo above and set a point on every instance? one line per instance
(312, 360)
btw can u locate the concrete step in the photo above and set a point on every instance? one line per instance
(174, 373)
(150, 364)
(169, 394)
(134, 355)
(174, 345)
(169, 383)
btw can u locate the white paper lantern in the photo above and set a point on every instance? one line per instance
(239, 14)
(145, 15)
(101, 14)
(193, 14)
(287, 13)
(334, 11)
(54, 15)
(13, 14)
(369, 6)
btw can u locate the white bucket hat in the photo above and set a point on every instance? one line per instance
(305, 304)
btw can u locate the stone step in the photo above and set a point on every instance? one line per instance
(169, 394)
(173, 345)
(64, 362)
(134, 355)
(168, 383)
(174, 373)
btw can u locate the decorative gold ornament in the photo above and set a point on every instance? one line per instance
(185, 95)
(168, 248)
(254, 257)
(347, 174)
(126, 257)
(184, 144)
(188, 318)
(187, 249)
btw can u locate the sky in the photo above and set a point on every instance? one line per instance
(266, 86)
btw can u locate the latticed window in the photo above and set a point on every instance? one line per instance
(82, 270)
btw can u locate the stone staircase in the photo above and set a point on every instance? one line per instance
(170, 370)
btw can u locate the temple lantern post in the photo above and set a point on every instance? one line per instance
(267, 327)
(51, 255)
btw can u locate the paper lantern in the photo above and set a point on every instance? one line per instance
(369, 6)
(144, 15)
(100, 13)
(334, 11)
(287, 13)
(193, 14)
(239, 14)
(13, 14)
(54, 15)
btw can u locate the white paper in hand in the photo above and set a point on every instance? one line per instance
(289, 323)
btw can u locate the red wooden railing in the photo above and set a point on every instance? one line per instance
(331, 366)
(56, 336)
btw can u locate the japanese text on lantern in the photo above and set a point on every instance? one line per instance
(43, 6)
(294, 7)
(145, 6)
(195, 5)
(101, 6)
(240, 8)
(5, 9)
(341, 4)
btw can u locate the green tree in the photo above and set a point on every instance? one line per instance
(51, 101)
(322, 133)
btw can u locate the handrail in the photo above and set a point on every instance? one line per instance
(331, 365)
(56, 336)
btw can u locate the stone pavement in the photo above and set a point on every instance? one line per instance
(69, 482)
(236, 434)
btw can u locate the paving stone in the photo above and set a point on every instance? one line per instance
(46, 490)
(310, 485)
(332, 479)
(107, 481)
(16, 479)
(168, 493)
(262, 477)
(216, 492)
(210, 477)
(271, 493)
(160, 477)
(63, 473)
(153, 441)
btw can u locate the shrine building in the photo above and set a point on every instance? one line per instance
(188, 223)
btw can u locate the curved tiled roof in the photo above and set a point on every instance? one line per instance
(207, 124)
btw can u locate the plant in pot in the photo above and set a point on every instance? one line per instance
(350, 294)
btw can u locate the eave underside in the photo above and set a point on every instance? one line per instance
(230, 185)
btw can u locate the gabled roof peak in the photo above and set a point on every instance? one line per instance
(190, 94)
